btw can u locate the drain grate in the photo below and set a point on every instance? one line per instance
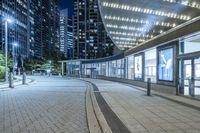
(116, 125)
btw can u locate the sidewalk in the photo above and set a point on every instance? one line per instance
(17, 82)
(154, 114)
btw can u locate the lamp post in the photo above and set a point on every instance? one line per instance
(6, 47)
(13, 54)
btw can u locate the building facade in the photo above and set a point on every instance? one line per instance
(66, 34)
(35, 27)
(70, 38)
(18, 29)
(91, 39)
(63, 31)
(45, 28)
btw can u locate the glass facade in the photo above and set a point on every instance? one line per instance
(150, 65)
(189, 66)
(139, 67)
(160, 64)
(130, 66)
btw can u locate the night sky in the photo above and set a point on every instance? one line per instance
(67, 4)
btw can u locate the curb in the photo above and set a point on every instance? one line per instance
(96, 120)
(93, 124)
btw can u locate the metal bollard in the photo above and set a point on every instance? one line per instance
(149, 87)
(191, 86)
(24, 79)
(11, 82)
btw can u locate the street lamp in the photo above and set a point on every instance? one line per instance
(13, 54)
(7, 20)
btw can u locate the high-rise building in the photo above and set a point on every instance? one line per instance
(63, 31)
(35, 27)
(70, 37)
(45, 28)
(18, 30)
(66, 34)
(91, 39)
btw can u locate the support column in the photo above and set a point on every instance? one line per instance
(67, 70)
(62, 68)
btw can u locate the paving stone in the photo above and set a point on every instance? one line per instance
(49, 105)
(148, 114)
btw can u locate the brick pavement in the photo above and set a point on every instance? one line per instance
(143, 114)
(49, 105)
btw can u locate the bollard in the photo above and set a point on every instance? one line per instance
(11, 82)
(149, 87)
(24, 79)
(191, 86)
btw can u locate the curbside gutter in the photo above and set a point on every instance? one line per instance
(96, 120)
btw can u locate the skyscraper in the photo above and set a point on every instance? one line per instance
(18, 29)
(66, 34)
(46, 28)
(91, 39)
(70, 37)
(63, 31)
(35, 27)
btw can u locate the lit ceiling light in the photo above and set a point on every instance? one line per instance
(185, 3)
(134, 20)
(146, 11)
(125, 27)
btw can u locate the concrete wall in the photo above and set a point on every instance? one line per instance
(156, 87)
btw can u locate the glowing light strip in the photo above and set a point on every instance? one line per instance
(125, 43)
(130, 34)
(124, 38)
(125, 27)
(145, 10)
(141, 21)
(185, 2)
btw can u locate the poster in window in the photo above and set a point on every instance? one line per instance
(138, 67)
(166, 59)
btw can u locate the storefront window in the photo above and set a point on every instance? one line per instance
(165, 67)
(113, 68)
(138, 67)
(190, 45)
(119, 68)
(150, 65)
(122, 68)
(107, 69)
(103, 67)
(130, 67)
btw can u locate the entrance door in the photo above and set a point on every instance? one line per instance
(189, 77)
(187, 67)
(197, 77)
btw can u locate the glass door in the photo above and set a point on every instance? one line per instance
(189, 77)
(197, 77)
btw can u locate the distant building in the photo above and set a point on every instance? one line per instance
(63, 31)
(66, 34)
(70, 38)
(91, 39)
(45, 28)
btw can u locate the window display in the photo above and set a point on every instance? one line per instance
(130, 67)
(138, 67)
(150, 65)
(166, 59)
